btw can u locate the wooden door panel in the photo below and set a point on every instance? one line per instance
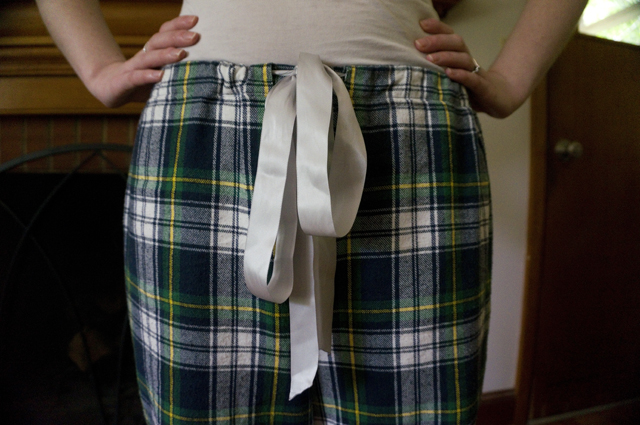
(588, 342)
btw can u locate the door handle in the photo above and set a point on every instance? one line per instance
(567, 150)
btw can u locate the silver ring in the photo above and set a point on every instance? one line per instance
(476, 68)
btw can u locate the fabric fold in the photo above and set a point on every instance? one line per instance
(307, 191)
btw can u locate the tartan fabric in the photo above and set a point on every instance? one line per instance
(412, 280)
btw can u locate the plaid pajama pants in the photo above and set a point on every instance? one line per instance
(413, 275)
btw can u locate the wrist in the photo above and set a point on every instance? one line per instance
(99, 82)
(510, 93)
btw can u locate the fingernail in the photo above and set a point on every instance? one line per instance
(189, 36)
(425, 22)
(419, 43)
(179, 54)
(431, 59)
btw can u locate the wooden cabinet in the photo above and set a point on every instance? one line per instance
(34, 76)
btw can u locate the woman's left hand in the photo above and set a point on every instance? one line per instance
(489, 91)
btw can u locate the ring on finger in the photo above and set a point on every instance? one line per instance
(476, 68)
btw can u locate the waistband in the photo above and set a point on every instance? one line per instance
(365, 83)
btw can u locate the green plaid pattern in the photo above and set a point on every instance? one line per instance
(413, 276)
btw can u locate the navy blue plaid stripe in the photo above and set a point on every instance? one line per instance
(412, 280)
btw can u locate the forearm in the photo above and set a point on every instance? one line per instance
(80, 31)
(541, 33)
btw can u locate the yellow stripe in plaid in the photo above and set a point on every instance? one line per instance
(425, 186)
(352, 82)
(172, 235)
(265, 80)
(175, 179)
(413, 309)
(397, 415)
(351, 333)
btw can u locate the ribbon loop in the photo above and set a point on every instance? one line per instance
(307, 192)
(273, 220)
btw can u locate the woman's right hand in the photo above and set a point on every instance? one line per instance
(488, 90)
(131, 80)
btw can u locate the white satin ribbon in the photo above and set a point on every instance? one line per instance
(306, 194)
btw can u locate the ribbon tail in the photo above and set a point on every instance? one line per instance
(324, 272)
(302, 315)
(311, 307)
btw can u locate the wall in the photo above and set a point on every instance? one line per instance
(485, 24)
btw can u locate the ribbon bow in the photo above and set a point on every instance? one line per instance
(307, 192)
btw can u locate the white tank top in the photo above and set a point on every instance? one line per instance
(341, 32)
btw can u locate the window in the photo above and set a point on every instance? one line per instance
(617, 20)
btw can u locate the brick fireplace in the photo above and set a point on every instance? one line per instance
(62, 302)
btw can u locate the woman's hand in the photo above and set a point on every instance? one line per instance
(489, 91)
(130, 80)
